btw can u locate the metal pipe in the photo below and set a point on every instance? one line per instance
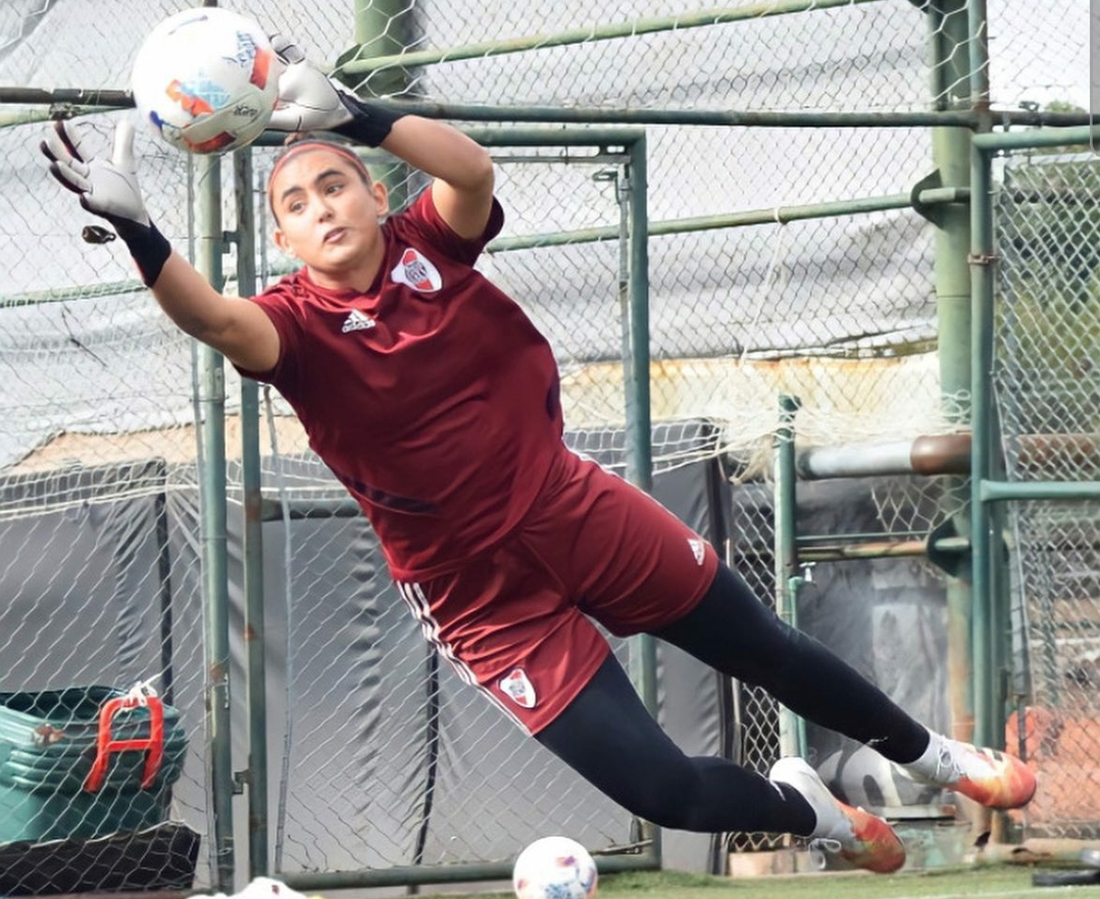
(775, 215)
(361, 63)
(211, 403)
(981, 341)
(252, 537)
(989, 491)
(384, 27)
(1024, 140)
(885, 549)
(791, 728)
(457, 873)
(68, 102)
(947, 23)
(639, 462)
(929, 455)
(652, 116)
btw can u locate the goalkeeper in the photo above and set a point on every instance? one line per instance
(434, 400)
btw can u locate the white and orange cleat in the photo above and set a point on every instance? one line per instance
(991, 778)
(863, 839)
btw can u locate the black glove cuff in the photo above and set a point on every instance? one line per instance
(147, 245)
(370, 122)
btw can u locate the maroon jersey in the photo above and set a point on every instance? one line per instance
(431, 397)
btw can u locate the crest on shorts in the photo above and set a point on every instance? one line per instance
(417, 272)
(518, 688)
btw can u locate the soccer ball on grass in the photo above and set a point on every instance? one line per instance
(206, 80)
(554, 868)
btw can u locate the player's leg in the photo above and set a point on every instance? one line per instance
(734, 632)
(608, 737)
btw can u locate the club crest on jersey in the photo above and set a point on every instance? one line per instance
(516, 686)
(417, 272)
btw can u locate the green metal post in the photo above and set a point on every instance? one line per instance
(989, 575)
(639, 465)
(639, 431)
(384, 28)
(211, 404)
(253, 550)
(791, 727)
(980, 464)
(951, 152)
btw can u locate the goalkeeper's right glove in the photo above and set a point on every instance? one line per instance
(311, 101)
(109, 189)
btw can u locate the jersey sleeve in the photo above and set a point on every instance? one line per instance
(278, 304)
(422, 218)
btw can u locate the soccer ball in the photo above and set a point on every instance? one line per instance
(206, 80)
(554, 868)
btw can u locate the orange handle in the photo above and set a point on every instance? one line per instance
(105, 745)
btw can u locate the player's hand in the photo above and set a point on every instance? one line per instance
(311, 101)
(308, 99)
(106, 187)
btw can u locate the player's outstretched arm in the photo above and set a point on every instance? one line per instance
(109, 189)
(309, 101)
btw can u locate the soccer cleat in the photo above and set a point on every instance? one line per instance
(989, 777)
(859, 837)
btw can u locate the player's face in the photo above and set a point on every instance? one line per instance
(328, 217)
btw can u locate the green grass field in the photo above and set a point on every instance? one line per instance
(971, 883)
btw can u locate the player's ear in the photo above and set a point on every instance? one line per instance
(279, 236)
(381, 197)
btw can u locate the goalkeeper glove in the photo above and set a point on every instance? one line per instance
(311, 101)
(109, 189)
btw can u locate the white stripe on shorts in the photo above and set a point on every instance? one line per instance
(414, 597)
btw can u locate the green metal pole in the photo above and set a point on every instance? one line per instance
(384, 28)
(951, 153)
(776, 215)
(253, 549)
(457, 873)
(211, 403)
(990, 572)
(367, 57)
(791, 727)
(982, 350)
(639, 465)
(639, 436)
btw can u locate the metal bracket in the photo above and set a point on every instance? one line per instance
(241, 779)
(953, 563)
(933, 213)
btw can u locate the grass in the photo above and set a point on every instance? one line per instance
(1000, 882)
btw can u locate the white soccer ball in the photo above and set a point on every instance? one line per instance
(206, 80)
(554, 868)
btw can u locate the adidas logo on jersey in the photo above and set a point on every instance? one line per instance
(357, 321)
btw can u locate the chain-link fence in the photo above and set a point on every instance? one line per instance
(1048, 387)
(765, 278)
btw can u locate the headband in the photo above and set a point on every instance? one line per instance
(303, 146)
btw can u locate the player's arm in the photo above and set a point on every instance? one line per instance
(463, 172)
(109, 189)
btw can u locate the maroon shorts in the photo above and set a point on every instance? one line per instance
(514, 620)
